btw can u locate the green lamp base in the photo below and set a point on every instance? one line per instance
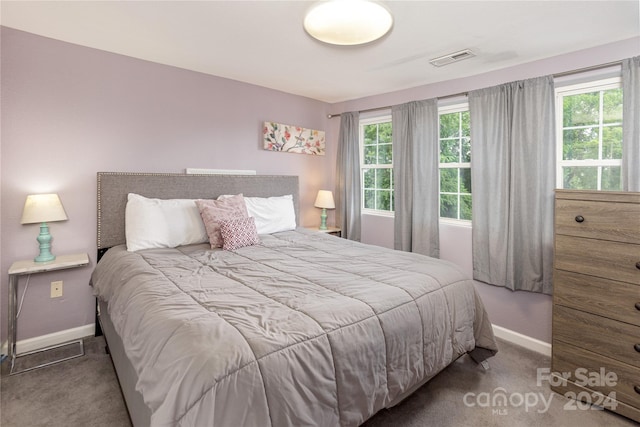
(323, 219)
(44, 238)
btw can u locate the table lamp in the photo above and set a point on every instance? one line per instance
(43, 208)
(324, 200)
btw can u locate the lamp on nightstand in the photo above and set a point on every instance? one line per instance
(43, 208)
(325, 201)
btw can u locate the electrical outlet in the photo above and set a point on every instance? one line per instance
(56, 289)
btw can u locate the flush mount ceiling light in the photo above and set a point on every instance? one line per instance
(348, 22)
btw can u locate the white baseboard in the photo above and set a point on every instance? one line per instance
(60, 337)
(35, 343)
(522, 340)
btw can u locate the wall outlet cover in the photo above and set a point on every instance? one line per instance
(56, 289)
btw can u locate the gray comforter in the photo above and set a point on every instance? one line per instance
(304, 329)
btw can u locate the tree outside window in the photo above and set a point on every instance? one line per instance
(377, 165)
(455, 163)
(590, 136)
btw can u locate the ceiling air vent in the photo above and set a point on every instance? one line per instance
(452, 57)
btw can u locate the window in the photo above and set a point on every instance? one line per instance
(455, 162)
(376, 165)
(589, 135)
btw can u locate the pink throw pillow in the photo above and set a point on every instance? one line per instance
(213, 212)
(238, 233)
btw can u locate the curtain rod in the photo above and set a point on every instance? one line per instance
(368, 110)
(586, 69)
(562, 74)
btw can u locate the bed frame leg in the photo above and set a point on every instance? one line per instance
(98, 332)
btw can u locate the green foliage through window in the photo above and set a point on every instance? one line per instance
(590, 137)
(377, 169)
(455, 165)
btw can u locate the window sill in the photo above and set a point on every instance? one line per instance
(456, 222)
(377, 213)
(443, 221)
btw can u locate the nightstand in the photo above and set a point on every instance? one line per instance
(334, 231)
(28, 267)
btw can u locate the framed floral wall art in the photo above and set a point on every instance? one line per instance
(292, 139)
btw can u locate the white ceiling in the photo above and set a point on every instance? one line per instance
(263, 42)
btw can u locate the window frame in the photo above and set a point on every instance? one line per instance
(456, 107)
(597, 84)
(364, 121)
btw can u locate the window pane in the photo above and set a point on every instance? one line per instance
(377, 179)
(384, 133)
(582, 109)
(580, 177)
(465, 180)
(449, 151)
(383, 178)
(466, 150)
(370, 134)
(580, 144)
(591, 137)
(384, 154)
(449, 180)
(449, 206)
(465, 207)
(611, 178)
(455, 147)
(612, 142)
(612, 106)
(369, 178)
(370, 199)
(369, 154)
(466, 123)
(449, 125)
(383, 200)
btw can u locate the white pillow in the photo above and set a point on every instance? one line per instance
(157, 223)
(272, 214)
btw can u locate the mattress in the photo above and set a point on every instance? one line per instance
(303, 329)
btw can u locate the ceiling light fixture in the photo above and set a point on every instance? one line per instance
(348, 22)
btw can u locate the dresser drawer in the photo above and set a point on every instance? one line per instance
(607, 298)
(599, 220)
(601, 258)
(610, 338)
(567, 359)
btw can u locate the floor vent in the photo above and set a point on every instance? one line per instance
(451, 58)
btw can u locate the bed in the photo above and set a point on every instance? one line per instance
(303, 328)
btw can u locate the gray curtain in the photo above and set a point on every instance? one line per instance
(415, 177)
(348, 190)
(513, 178)
(631, 124)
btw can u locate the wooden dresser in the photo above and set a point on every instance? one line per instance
(596, 299)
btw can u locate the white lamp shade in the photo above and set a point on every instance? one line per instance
(325, 200)
(348, 22)
(42, 208)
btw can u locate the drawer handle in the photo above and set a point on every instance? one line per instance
(579, 218)
(637, 347)
(638, 265)
(638, 306)
(637, 388)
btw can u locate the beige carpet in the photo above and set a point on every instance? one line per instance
(84, 392)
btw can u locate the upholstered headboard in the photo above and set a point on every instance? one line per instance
(113, 188)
